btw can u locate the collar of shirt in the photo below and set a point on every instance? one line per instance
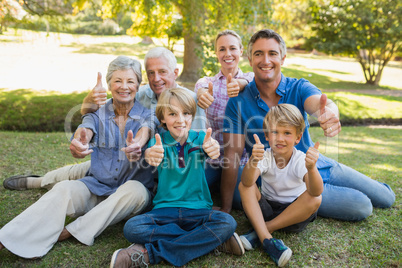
(281, 90)
(221, 76)
(134, 113)
(170, 141)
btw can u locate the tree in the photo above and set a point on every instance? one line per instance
(200, 21)
(10, 11)
(48, 9)
(371, 31)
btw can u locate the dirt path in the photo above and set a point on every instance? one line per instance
(383, 92)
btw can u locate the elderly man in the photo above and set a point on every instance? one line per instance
(161, 68)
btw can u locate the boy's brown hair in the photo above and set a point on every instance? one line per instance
(182, 96)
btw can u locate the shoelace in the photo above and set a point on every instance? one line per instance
(137, 259)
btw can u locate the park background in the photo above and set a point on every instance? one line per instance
(50, 54)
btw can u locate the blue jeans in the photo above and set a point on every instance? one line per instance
(350, 195)
(179, 235)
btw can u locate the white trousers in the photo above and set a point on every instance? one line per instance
(34, 232)
(70, 172)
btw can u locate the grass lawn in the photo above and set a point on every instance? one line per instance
(375, 242)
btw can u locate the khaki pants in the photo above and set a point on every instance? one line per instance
(71, 172)
(34, 232)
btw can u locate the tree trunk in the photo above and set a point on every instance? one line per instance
(192, 64)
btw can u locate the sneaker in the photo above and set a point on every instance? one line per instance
(233, 246)
(135, 255)
(250, 240)
(277, 250)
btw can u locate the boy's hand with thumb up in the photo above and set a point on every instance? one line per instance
(211, 146)
(258, 150)
(312, 156)
(155, 154)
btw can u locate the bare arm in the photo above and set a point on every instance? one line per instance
(251, 172)
(313, 178)
(232, 154)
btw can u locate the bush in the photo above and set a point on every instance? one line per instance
(24, 110)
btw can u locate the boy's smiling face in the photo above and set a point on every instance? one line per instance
(282, 139)
(177, 121)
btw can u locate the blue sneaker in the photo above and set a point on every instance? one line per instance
(278, 252)
(250, 240)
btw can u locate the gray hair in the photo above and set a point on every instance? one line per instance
(123, 63)
(158, 52)
(228, 32)
(268, 34)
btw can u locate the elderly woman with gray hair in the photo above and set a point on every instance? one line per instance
(113, 188)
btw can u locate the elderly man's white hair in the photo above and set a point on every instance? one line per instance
(158, 52)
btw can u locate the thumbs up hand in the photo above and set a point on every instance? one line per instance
(258, 150)
(210, 145)
(99, 94)
(133, 149)
(155, 154)
(79, 146)
(206, 98)
(328, 120)
(312, 155)
(232, 86)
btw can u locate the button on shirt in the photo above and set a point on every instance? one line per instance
(110, 167)
(245, 114)
(216, 111)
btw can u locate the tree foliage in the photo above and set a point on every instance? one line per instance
(371, 31)
(196, 21)
(10, 11)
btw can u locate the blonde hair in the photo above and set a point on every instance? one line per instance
(284, 115)
(228, 32)
(182, 96)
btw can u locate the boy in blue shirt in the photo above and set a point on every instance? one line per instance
(289, 178)
(182, 225)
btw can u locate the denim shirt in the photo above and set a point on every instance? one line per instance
(110, 167)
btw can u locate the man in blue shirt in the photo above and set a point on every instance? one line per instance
(348, 194)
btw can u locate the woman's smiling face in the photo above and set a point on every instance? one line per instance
(228, 51)
(123, 86)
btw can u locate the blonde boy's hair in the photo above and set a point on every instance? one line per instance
(284, 115)
(182, 96)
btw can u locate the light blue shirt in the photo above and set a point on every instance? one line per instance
(110, 167)
(147, 98)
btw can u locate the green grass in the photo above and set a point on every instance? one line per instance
(375, 242)
(27, 110)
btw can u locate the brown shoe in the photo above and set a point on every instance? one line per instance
(135, 255)
(18, 182)
(233, 246)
